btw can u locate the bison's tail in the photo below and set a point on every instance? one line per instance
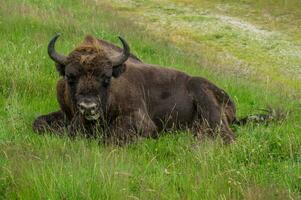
(268, 116)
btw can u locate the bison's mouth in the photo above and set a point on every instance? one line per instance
(92, 117)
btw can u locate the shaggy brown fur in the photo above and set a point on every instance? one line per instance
(134, 99)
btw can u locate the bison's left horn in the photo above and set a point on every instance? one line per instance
(58, 58)
(118, 60)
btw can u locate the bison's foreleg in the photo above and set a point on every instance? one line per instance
(129, 127)
(53, 122)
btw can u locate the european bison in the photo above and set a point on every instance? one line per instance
(104, 87)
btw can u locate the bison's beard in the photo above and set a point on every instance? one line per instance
(81, 125)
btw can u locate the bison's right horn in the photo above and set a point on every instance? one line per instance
(118, 60)
(58, 58)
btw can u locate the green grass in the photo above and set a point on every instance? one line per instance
(257, 40)
(264, 162)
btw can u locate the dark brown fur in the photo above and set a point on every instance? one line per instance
(139, 100)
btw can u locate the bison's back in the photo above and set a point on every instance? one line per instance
(164, 92)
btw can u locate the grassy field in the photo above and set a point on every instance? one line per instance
(251, 39)
(264, 162)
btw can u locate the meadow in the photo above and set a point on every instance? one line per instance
(263, 163)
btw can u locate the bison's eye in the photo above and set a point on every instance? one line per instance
(106, 81)
(71, 78)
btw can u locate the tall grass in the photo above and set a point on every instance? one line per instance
(264, 162)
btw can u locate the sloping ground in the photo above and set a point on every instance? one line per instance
(263, 163)
(240, 39)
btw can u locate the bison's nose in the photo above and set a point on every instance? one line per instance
(87, 107)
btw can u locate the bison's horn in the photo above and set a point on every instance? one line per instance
(53, 54)
(118, 60)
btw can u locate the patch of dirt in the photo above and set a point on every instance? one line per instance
(244, 25)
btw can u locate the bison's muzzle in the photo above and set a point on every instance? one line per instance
(89, 109)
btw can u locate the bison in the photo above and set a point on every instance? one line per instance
(105, 89)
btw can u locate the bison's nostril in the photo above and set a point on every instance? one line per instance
(87, 107)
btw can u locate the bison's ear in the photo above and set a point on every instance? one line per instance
(60, 68)
(118, 70)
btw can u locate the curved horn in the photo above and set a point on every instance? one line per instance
(118, 60)
(61, 59)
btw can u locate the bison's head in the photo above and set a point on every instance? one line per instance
(88, 72)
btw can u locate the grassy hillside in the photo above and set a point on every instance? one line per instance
(258, 40)
(264, 162)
